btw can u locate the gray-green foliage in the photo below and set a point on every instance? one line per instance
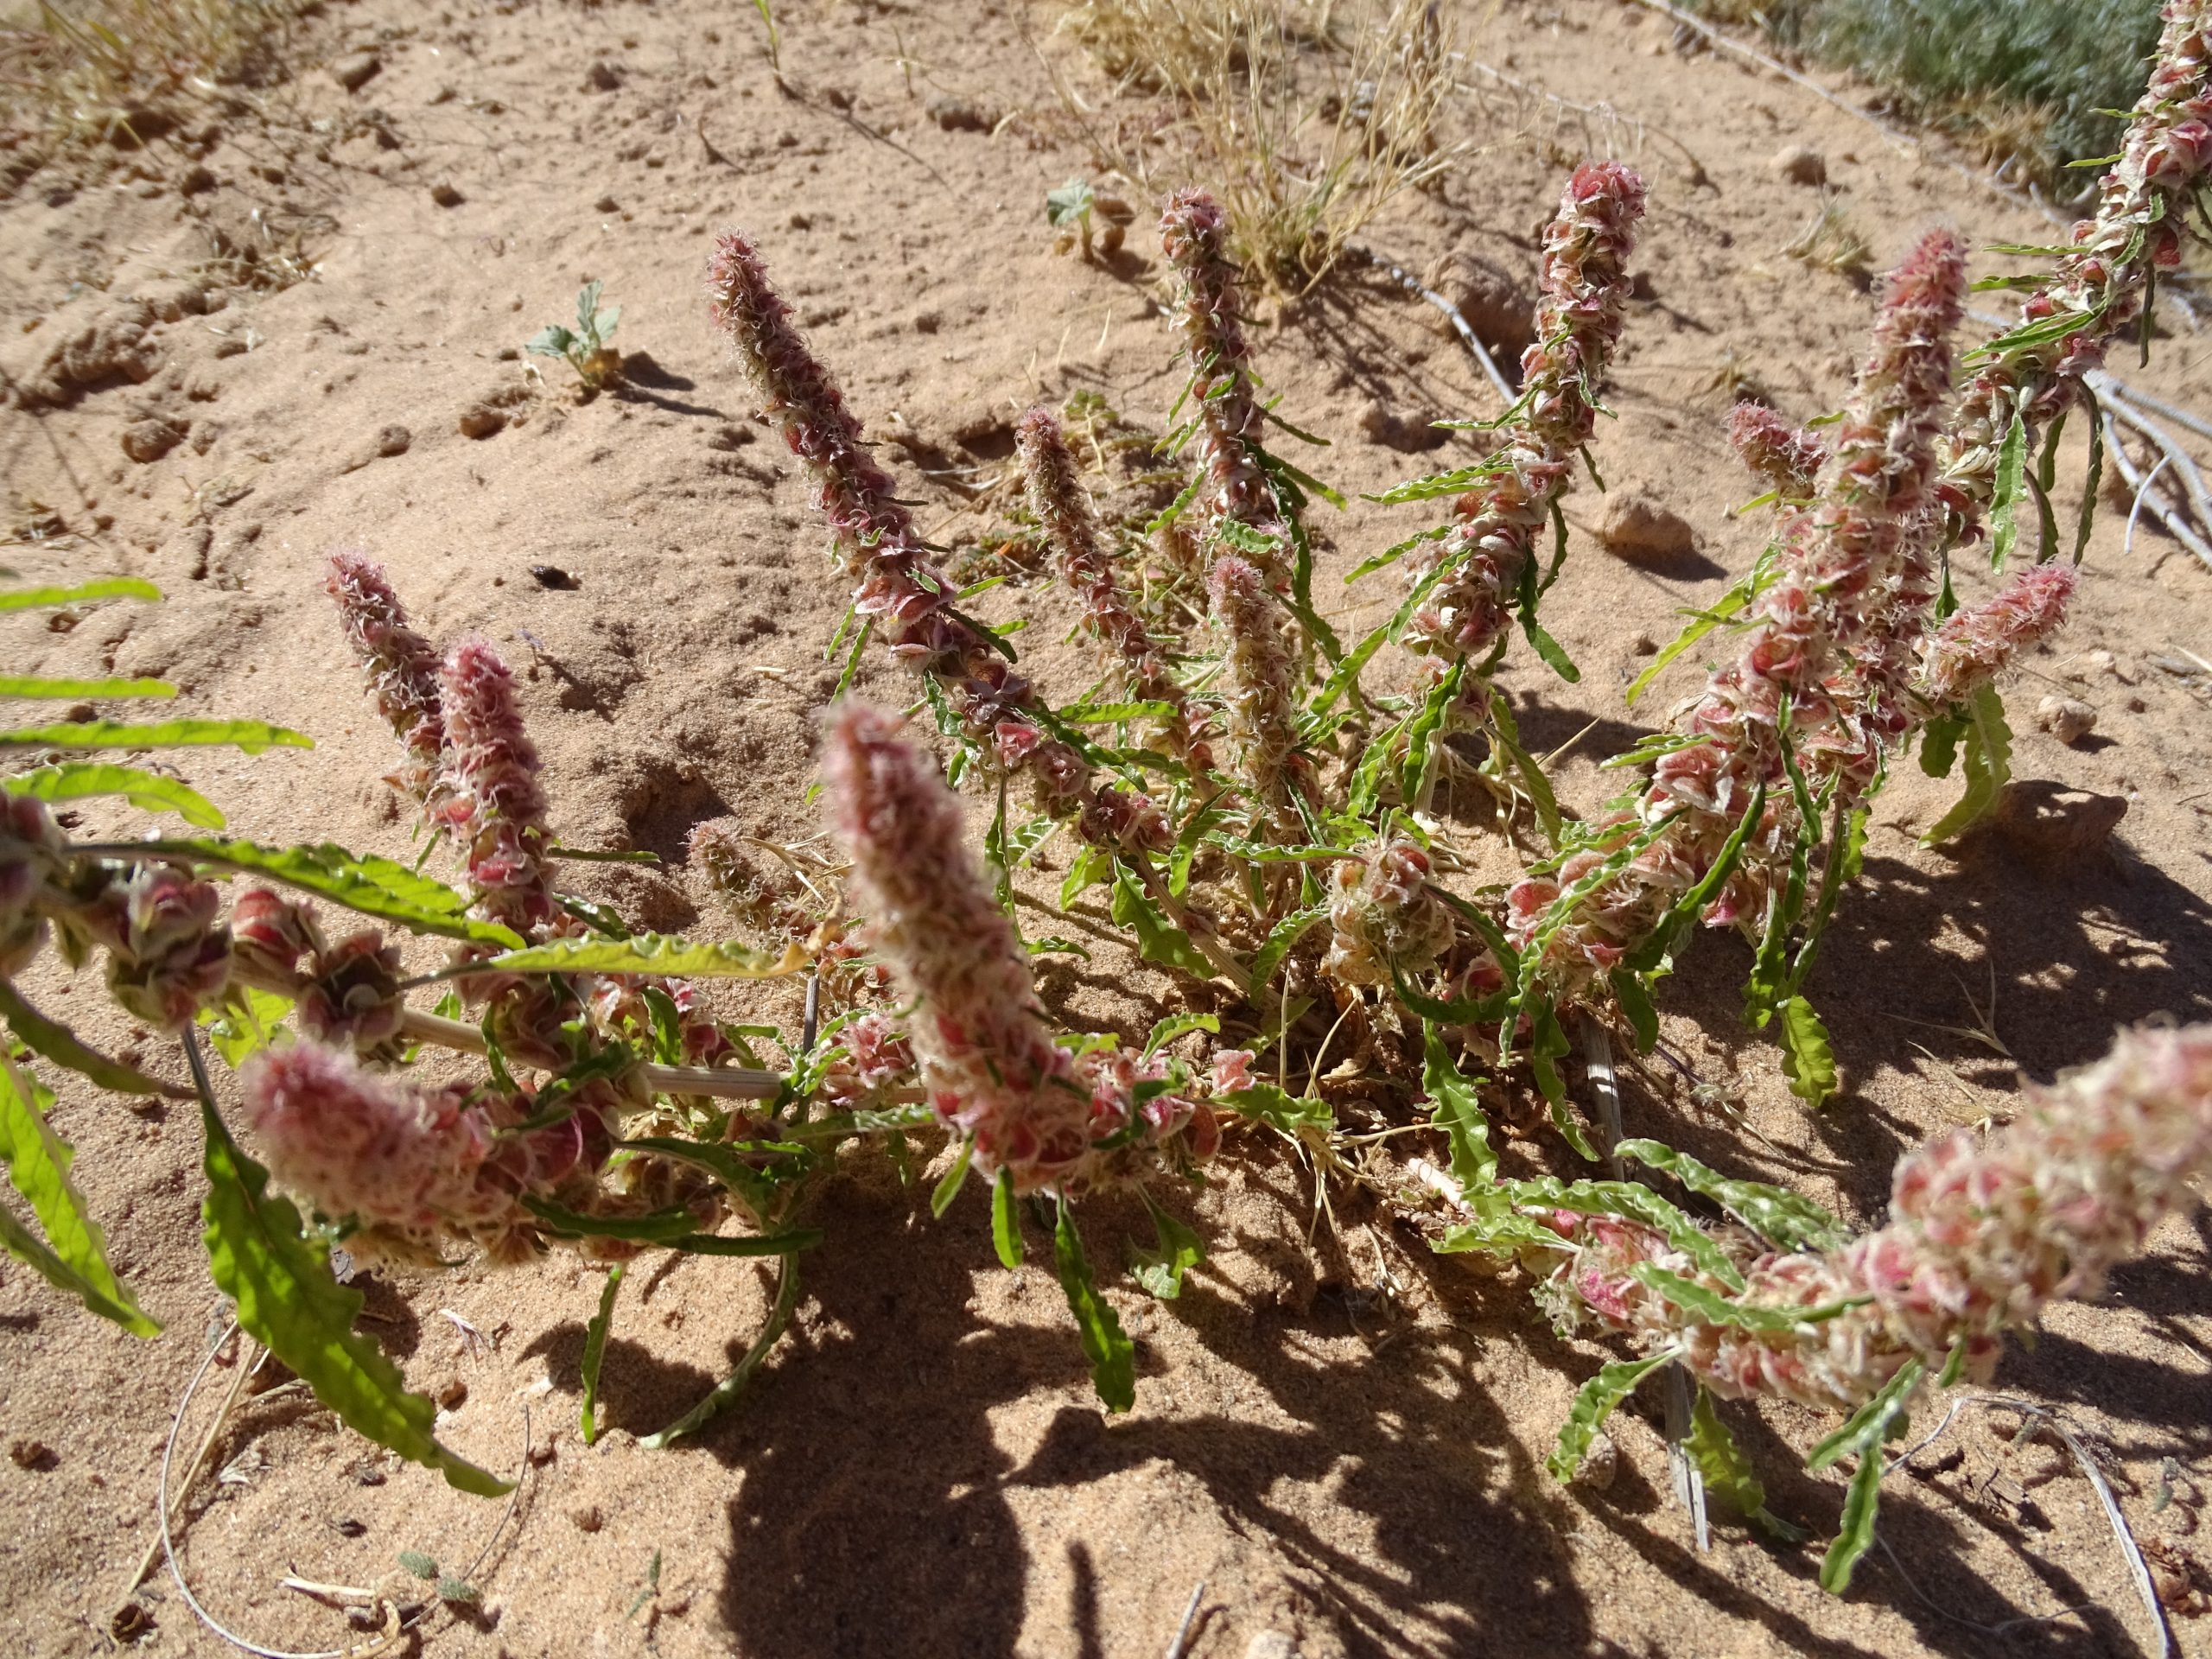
(2066, 58)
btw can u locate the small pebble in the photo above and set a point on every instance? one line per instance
(356, 70)
(552, 575)
(445, 196)
(452, 1394)
(1636, 527)
(2067, 719)
(393, 440)
(1600, 1463)
(1801, 165)
(481, 420)
(587, 1517)
(607, 205)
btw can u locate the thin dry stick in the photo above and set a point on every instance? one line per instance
(1451, 312)
(1190, 1612)
(2137, 479)
(153, 1555)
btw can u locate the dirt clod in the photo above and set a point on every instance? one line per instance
(1636, 526)
(356, 70)
(2067, 719)
(1799, 164)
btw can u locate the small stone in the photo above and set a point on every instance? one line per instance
(481, 420)
(1645, 645)
(150, 440)
(196, 180)
(1636, 527)
(959, 115)
(2102, 662)
(1500, 310)
(2046, 822)
(602, 76)
(1800, 165)
(445, 196)
(452, 1394)
(393, 440)
(1270, 1644)
(553, 577)
(2067, 719)
(35, 1455)
(356, 70)
(1600, 1463)
(587, 1517)
(607, 205)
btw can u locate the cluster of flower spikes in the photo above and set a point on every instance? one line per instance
(1585, 288)
(349, 995)
(411, 1163)
(1382, 915)
(900, 594)
(2104, 277)
(486, 792)
(1233, 483)
(169, 952)
(1838, 554)
(987, 1059)
(1974, 644)
(1982, 1236)
(1062, 509)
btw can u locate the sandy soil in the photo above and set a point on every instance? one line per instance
(1343, 1440)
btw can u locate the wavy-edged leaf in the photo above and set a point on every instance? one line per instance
(28, 599)
(1458, 1112)
(799, 1238)
(1781, 1216)
(1505, 735)
(1113, 1357)
(1548, 1046)
(18, 685)
(367, 882)
(1281, 939)
(1685, 910)
(1593, 1403)
(1158, 938)
(1870, 1428)
(949, 1184)
(1807, 1058)
(38, 1163)
(1160, 1269)
(1006, 1222)
(1633, 1201)
(644, 953)
(1421, 730)
(1264, 1102)
(1728, 1472)
(290, 1302)
(252, 736)
(78, 780)
(1501, 1231)
(1178, 1025)
(1636, 1007)
(661, 1227)
(61, 1045)
(1709, 1307)
(596, 1351)
(1345, 676)
(1989, 756)
(2004, 499)
(1734, 602)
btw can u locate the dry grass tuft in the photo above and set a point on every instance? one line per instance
(1304, 116)
(125, 73)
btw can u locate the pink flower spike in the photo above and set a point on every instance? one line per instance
(1975, 644)
(496, 807)
(402, 667)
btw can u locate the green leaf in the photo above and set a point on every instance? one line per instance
(552, 341)
(1069, 204)
(658, 1227)
(289, 1301)
(252, 736)
(1760, 577)
(1593, 1405)
(1708, 1306)
(1160, 1270)
(1113, 1357)
(2011, 481)
(247, 1020)
(1281, 939)
(1505, 736)
(1548, 1046)
(78, 780)
(1728, 1473)
(16, 685)
(1346, 673)
(367, 882)
(25, 599)
(646, 953)
(1458, 1112)
(1636, 1007)
(948, 1187)
(1777, 1214)
(1807, 1060)
(1868, 1432)
(55, 1040)
(1988, 765)
(596, 1351)
(1635, 1202)
(1686, 909)
(1158, 939)
(1176, 1024)
(2088, 519)
(1088, 866)
(1421, 733)
(421, 1566)
(1264, 1102)
(38, 1163)
(1006, 1223)
(799, 1238)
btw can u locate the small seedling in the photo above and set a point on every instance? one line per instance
(584, 346)
(1070, 210)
